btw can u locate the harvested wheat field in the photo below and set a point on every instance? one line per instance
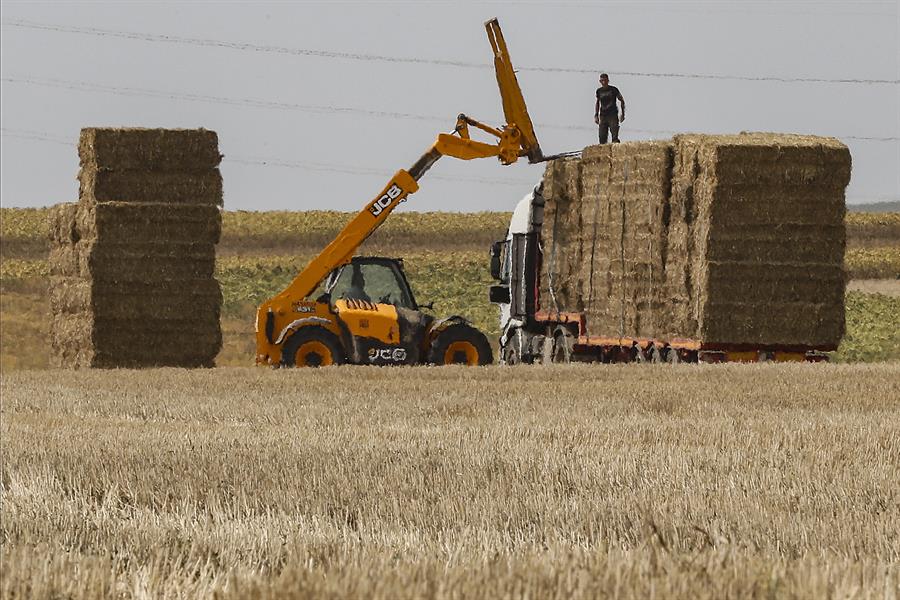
(709, 481)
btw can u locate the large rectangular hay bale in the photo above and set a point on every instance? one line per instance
(136, 263)
(183, 187)
(149, 149)
(126, 222)
(83, 340)
(61, 228)
(169, 301)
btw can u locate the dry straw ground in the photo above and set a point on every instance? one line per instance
(720, 481)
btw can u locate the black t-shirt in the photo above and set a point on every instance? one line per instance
(607, 98)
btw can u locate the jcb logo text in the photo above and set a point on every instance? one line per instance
(382, 203)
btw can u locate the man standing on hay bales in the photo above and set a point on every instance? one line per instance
(605, 113)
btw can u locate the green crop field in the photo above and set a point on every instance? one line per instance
(445, 255)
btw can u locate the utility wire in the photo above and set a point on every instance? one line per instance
(83, 86)
(275, 162)
(260, 48)
(28, 134)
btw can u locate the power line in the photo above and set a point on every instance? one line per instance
(83, 86)
(259, 48)
(275, 162)
(28, 134)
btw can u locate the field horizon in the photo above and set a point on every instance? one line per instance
(446, 258)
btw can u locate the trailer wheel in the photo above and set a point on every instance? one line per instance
(511, 353)
(547, 349)
(637, 354)
(672, 356)
(460, 345)
(312, 346)
(563, 345)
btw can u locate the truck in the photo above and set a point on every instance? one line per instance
(700, 249)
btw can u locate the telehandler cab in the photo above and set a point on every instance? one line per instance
(365, 311)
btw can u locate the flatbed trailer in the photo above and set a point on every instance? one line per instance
(572, 329)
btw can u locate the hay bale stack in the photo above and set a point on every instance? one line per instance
(626, 194)
(562, 236)
(769, 238)
(132, 262)
(725, 239)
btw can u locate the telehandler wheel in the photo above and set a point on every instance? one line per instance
(460, 345)
(312, 346)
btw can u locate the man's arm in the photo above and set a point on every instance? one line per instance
(622, 100)
(597, 111)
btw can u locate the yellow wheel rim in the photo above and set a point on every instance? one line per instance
(313, 354)
(461, 353)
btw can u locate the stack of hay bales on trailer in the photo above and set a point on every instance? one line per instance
(561, 272)
(729, 240)
(132, 263)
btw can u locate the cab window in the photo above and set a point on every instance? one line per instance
(372, 282)
(505, 263)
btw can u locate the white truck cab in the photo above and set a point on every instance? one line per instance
(515, 264)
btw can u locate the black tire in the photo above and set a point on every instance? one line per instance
(317, 346)
(460, 344)
(514, 352)
(637, 354)
(546, 357)
(510, 354)
(672, 356)
(563, 346)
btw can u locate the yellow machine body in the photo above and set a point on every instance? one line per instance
(370, 319)
(350, 320)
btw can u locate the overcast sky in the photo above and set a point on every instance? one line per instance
(318, 104)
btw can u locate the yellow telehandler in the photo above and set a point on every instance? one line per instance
(360, 309)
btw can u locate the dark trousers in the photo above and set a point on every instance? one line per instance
(609, 124)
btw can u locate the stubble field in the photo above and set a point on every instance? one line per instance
(576, 482)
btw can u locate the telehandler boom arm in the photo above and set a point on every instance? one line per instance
(515, 139)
